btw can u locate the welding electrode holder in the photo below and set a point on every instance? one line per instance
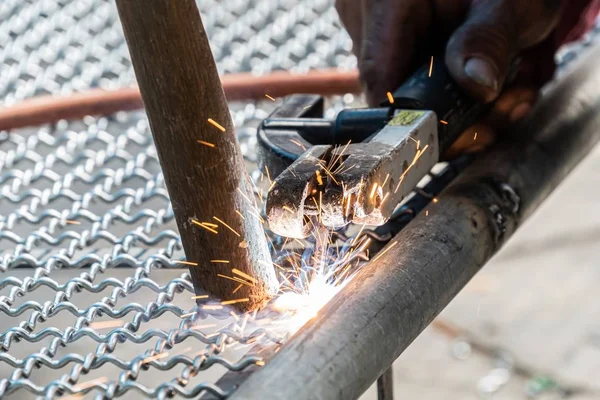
(298, 123)
(379, 147)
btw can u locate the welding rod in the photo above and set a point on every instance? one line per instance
(198, 151)
(361, 331)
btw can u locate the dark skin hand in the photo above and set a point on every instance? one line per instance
(393, 37)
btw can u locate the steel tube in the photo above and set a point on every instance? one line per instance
(360, 332)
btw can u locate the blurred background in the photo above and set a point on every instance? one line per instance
(527, 326)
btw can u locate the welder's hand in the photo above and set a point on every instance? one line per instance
(393, 37)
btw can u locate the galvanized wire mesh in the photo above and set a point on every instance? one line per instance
(91, 298)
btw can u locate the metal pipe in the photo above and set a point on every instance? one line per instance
(359, 333)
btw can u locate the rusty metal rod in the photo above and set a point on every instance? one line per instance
(242, 86)
(204, 170)
(360, 333)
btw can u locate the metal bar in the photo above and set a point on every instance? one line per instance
(385, 385)
(360, 333)
(197, 148)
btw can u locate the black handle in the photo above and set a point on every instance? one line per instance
(432, 88)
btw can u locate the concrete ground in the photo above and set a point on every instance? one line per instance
(530, 320)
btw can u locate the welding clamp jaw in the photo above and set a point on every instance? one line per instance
(359, 166)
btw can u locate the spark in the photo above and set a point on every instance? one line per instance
(417, 142)
(373, 190)
(316, 205)
(234, 315)
(390, 98)
(254, 339)
(475, 136)
(414, 161)
(85, 385)
(338, 157)
(227, 226)
(240, 214)
(187, 315)
(244, 322)
(209, 144)
(385, 181)
(330, 174)
(427, 213)
(106, 324)
(272, 186)
(388, 248)
(358, 234)
(260, 363)
(443, 122)
(228, 302)
(384, 199)
(286, 208)
(155, 357)
(320, 206)
(237, 288)
(205, 226)
(235, 279)
(186, 263)
(348, 204)
(71, 222)
(435, 200)
(268, 174)
(270, 264)
(319, 179)
(220, 261)
(216, 124)
(431, 67)
(269, 97)
(297, 143)
(202, 296)
(243, 275)
(212, 307)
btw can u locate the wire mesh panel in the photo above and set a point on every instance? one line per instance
(91, 294)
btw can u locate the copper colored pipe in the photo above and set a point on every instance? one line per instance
(245, 86)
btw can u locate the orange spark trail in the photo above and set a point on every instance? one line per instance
(216, 124)
(227, 226)
(186, 263)
(243, 275)
(431, 67)
(390, 98)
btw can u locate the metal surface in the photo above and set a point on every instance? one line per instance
(372, 320)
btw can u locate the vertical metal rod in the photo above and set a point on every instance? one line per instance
(385, 385)
(202, 163)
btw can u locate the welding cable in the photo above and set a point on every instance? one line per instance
(244, 86)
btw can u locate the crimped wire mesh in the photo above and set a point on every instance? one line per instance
(89, 288)
(91, 298)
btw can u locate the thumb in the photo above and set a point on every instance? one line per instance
(480, 52)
